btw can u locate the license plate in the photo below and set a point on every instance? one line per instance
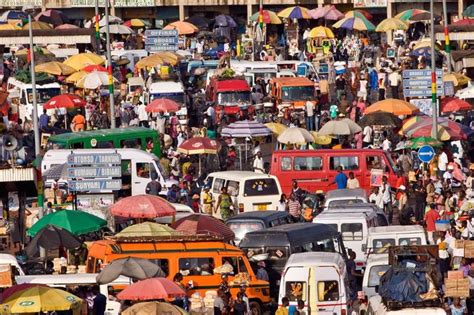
(261, 207)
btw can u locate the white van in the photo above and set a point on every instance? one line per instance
(133, 55)
(71, 281)
(317, 278)
(375, 267)
(381, 237)
(23, 93)
(353, 227)
(250, 191)
(340, 197)
(133, 84)
(7, 259)
(171, 90)
(376, 307)
(137, 166)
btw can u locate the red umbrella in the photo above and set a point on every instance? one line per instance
(151, 289)
(454, 104)
(92, 68)
(65, 101)
(464, 22)
(196, 223)
(162, 105)
(142, 206)
(198, 145)
(19, 287)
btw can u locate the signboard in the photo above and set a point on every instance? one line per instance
(94, 172)
(21, 3)
(91, 202)
(448, 88)
(160, 40)
(95, 185)
(424, 104)
(116, 3)
(370, 3)
(426, 153)
(89, 159)
(417, 83)
(376, 177)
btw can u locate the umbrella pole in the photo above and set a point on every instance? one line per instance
(199, 158)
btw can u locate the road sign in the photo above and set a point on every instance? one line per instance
(95, 185)
(94, 159)
(94, 172)
(417, 83)
(426, 153)
(160, 40)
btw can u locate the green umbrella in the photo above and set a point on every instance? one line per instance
(76, 222)
(469, 11)
(417, 143)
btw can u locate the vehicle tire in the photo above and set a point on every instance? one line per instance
(255, 308)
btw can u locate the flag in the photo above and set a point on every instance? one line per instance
(260, 16)
(97, 26)
(28, 56)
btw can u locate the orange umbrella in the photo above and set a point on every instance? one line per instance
(183, 28)
(394, 106)
(162, 105)
(151, 289)
(142, 206)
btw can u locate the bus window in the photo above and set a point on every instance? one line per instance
(163, 264)
(286, 164)
(242, 266)
(308, 164)
(126, 168)
(196, 266)
(78, 145)
(347, 162)
(375, 162)
(105, 144)
(143, 170)
(231, 261)
(218, 184)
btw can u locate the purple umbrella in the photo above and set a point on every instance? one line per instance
(224, 21)
(328, 12)
(54, 17)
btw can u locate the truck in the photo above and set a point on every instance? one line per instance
(292, 92)
(174, 91)
(228, 93)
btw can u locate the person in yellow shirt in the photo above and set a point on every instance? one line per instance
(283, 309)
(206, 198)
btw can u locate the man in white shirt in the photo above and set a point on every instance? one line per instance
(442, 162)
(352, 182)
(387, 198)
(386, 145)
(367, 133)
(142, 115)
(258, 163)
(394, 79)
(309, 110)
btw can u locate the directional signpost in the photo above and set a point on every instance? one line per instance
(161, 40)
(426, 153)
(417, 83)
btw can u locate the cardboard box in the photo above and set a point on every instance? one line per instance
(450, 283)
(459, 244)
(451, 292)
(455, 275)
(468, 244)
(469, 252)
(456, 287)
(463, 284)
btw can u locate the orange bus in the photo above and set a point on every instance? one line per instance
(195, 259)
(292, 92)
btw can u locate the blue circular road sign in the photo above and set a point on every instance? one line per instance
(426, 153)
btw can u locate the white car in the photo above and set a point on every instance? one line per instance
(181, 212)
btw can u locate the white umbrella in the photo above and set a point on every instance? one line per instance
(112, 20)
(295, 135)
(341, 127)
(466, 93)
(117, 29)
(246, 129)
(93, 80)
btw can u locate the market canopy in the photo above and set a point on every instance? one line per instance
(340, 127)
(151, 289)
(321, 32)
(355, 23)
(295, 135)
(132, 267)
(296, 12)
(203, 224)
(198, 145)
(154, 308)
(146, 229)
(269, 17)
(391, 24)
(246, 128)
(328, 12)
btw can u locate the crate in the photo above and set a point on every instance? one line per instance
(451, 292)
(456, 287)
(456, 275)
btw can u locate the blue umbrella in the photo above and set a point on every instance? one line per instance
(13, 15)
(223, 20)
(423, 51)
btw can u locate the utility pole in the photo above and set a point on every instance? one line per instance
(96, 25)
(434, 131)
(447, 46)
(109, 67)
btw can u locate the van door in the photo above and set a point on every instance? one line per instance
(349, 163)
(295, 286)
(141, 176)
(330, 292)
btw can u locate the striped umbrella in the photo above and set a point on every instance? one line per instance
(328, 12)
(359, 13)
(246, 128)
(407, 14)
(296, 12)
(269, 17)
(355, 23)
(469, 11)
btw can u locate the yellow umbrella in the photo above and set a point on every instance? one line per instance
(158, 59)
(425, 43)
(147, 229)
(391, 24)
(321, 32)
(37, 25)
(321, 140)
(9, 27)
(24, 52)
(276, 128)
(407, 123)
(55, 68)
(40, 299)
(154, 307)
(76, 77)
(83, 60)
(457, 78)
(183, 28)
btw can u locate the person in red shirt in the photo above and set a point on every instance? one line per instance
(430, 221)
(401, 180)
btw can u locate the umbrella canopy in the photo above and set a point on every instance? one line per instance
(464, 22)
(320, 139)
(151, 289)
(269, 17)
(199, 224)
(391, 24)
(13, 15)
(158, 59)
(162, 105)
(67, 27)
(19, 287)
(52, 237)
(36, 25)
(394, 106)
(339, 128)
(296, 12)
(9, 27)
(39, 299)
(454, 104)
(423, 16)
(198, 145)
(407, 14)
(75, 77)
(142, 206)
(147, 229)
(328, 12)
(294, 135)
(94, 80)
(423, 128)
(55, 68)
(246, 128)
(355, 23)
(53, 17)
(117, 29)
(321, 32)
(132, 267)
(423, 52)
(112, 20)
(458, 79)
(407, 123)
(65, 101)
(419, 142)
(92, 68)
(154, 308)
(223, 20)
(183, 28)
(25, 51)
(469, 11)
(80, 61)
(135, 23)
(201, 22)
(276, 128)
(380, 119)
(76, 222)
(359, 13)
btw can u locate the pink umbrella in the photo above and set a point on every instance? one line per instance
(328, 12)
(66, 27)
(142, 206)
(151, 289)
(162, 105)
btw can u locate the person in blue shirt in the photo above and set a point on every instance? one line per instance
(341, 179)
(43, 120)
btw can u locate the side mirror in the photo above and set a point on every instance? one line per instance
(23, 100)
(364, 247)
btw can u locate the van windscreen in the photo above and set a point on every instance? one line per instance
(343, 202)
(260, 187)
(243, 227)
(375, 273)
(383, 242)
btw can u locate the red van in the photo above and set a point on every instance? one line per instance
(315, 170)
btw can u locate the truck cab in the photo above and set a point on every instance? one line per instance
(229, 94)
(292, 92)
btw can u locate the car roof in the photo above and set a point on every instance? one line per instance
(398, 229)
(314, 258)
(263, 215)
(346, 193)
(238, 175)
(377, 259)
(342, 215)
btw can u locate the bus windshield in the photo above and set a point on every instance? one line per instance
(177, 97)
(233, 98)
(297, 93)
(43, 95)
